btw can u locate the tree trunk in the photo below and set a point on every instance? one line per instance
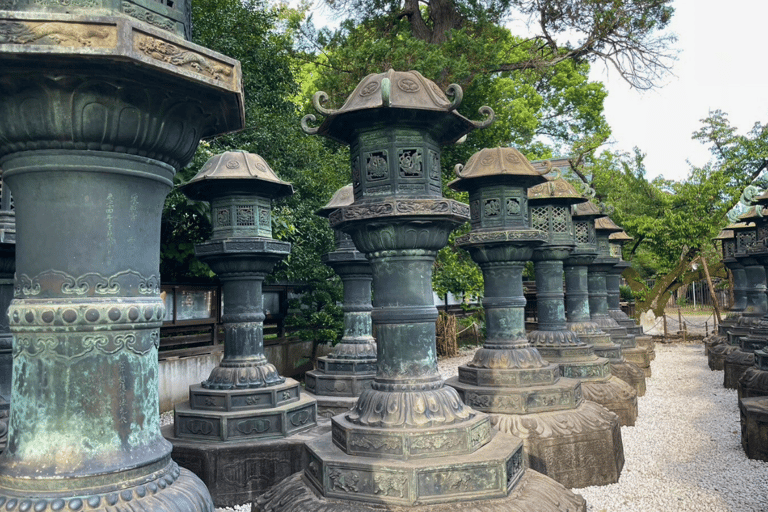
(711, 288)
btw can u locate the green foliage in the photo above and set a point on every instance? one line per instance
(455, 272)
(625, 293)
(317, 314)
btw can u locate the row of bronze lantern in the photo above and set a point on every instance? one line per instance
(740, 345)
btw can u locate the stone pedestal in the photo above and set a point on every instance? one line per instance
(612, 284)
(350, 368)
(754, 427)
(754, 380)
(98, 113)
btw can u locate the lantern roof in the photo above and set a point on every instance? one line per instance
(605, 224)
(236, 172)
(392, 98)
(496, 165)
(586, 210)
(555, 190)
(620, 237)
(725, 234)
(341, 198)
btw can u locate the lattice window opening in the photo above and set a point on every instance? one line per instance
(246, 216)
(762, 233)
(492, 208)
(376, 166)
(560, 219)
(539, 218)
(581, 229)
(223, 218)
(615, 250)
(730, 248)
(410, 161)
(746, 240)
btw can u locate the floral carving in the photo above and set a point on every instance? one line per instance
(376, 166)
(492, 208)
(148, 16)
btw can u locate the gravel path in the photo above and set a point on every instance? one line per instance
(684, 453)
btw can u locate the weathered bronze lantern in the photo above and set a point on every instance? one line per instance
(598, 297)
(745, 233)
(550, 206)
(351, 367)
(244, 399)
(508, 378)
(616, 242)
(410, 439)
(728, 251)
(7, 266)
(101, 103)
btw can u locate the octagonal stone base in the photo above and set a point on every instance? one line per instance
(734, 366)
(509, 377)
(281, 421)
(754, 427)
(452, 439)
(717, 355)
(753, 383)
(265, 397)
(239, 472)
(639, 356)
(631, 374)
(533, 493)
(578, 448)
(337, 385)
(330, 406)
(563, 394)
(486, 473)
(615, 395)
(646, 342)
(610, 351)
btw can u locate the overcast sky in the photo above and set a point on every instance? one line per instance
(718, 67)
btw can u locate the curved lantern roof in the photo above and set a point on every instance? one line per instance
(341, 198)
(555, 191)
(496, 166)
(620, 237)
(404, 97)
(236, 172)
(754, 213)
(725, 234)
(586, 210)
(605, 224)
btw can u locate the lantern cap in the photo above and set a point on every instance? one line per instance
(385, 98)
(725, 234)
(605, 224)
(620, 237)
(341, 198)
(586, 210)
(555, 191)
(494, 164)
(235, 172)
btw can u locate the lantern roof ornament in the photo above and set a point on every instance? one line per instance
(605, 224)
(555, 190)
(236, 172)
(494, 163)
(341, 198)
(382, 98)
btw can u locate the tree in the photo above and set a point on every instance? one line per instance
(626, 34)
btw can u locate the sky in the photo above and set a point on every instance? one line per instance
(718, 67)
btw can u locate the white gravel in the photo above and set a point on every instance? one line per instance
(684, 453)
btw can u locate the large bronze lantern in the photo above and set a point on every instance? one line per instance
(409, 439)
(102, 102)
(727, 241)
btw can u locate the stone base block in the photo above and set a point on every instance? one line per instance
(265, 397)
(238, 473)
(563, 394)
(509, 377)
(646, 342)
(615, 395)
(533, 493)
(335, 385)
(753, 383)
(577, 448)
(610, 351)
(717, 355)
(486, 473)
(640, 357)
(330, 406)
(282, 421)
(734, 366)
(631, 374)
(754, 427)
(329, 364)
